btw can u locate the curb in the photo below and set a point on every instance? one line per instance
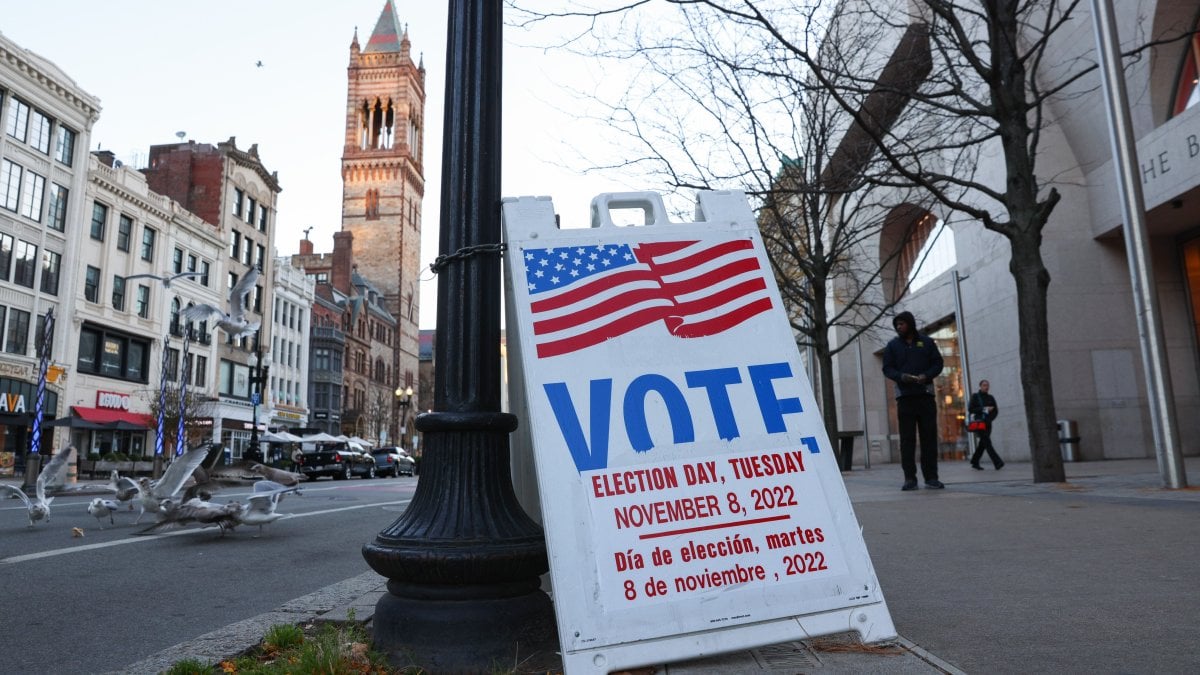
(335, 600)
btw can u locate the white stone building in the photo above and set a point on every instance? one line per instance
(291, 318)
(47, 121)
(1096, 362)
(119, 323)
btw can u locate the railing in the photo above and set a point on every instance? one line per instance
(327, 333)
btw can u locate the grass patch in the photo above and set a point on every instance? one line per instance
(332, 649)
(326, 648)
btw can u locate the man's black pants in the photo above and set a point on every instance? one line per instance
(918, 414)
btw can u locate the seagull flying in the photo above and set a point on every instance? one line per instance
(173, 516)
(259, 508)
(53, 475)
(165, 278)
(103, 507)
(151, 494)
(234, 323)
(125, 487)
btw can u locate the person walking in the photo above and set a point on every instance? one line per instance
(983, 405)
(912, 360)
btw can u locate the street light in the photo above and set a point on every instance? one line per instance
(464, 561)
(403, 399)
(259, 369)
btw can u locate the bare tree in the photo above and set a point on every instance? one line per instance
(993, 68)
(198, 413)
(702, 115)
(378, 413)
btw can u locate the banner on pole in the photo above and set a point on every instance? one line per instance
(691, 499)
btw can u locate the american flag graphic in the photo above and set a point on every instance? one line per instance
(581, 296)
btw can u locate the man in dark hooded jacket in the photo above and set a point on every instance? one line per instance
(912, 360)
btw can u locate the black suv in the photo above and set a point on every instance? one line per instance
(338, 460)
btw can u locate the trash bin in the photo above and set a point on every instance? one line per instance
(1068, 440)
(846, 448)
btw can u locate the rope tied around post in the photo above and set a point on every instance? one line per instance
(439, 263)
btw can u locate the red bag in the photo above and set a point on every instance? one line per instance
(976, 425)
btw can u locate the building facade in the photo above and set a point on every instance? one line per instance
(361, 348)
(326, 349)
(47, 121)
(291, 318)
(383, 181)
(123, 308)
(1096, 365)
(231, 190)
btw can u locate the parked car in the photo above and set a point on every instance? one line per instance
(393, 461)
(339, 460)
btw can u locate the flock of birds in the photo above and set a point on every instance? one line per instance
(162, 497)
(181, 497)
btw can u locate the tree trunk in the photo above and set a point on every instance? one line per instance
(828, 399)
(1034, 331)
(824, 379)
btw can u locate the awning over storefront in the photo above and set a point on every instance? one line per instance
(107, 418)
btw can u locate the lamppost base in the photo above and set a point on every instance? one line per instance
(455, 629)
(33, 466)
(158, 466)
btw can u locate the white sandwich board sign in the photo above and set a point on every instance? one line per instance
(690, 496)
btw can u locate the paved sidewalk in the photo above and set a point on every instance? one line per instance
(994, 574)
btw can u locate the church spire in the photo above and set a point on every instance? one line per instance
(387, 33)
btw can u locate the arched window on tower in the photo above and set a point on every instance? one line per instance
(414, 137)
(364, 130)
(387, 134)
(372, 204)
(377, 122)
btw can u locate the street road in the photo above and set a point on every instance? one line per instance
(107, 599)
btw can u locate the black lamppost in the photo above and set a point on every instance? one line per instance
(403, 399)
(464, 561)
(259, 370)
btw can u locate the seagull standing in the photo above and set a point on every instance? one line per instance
(103, 507)
(53, 475)
(165, 278)
(234, 323)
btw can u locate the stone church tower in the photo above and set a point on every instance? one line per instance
(383, 179)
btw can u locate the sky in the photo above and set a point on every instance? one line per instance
(160, 67)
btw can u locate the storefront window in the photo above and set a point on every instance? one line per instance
(948, 389)
(948, 392)
(1191, 266)
(112, 355)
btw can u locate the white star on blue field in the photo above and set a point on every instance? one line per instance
(547, 269)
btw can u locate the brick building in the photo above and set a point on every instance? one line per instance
(231, 190)
(383, 179)
(363, 345)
